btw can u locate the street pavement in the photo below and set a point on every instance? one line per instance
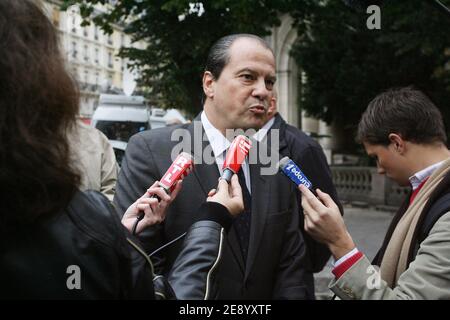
(367, 226)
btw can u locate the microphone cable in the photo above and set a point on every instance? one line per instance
(167, 244)
(138, 218)
(441, 6)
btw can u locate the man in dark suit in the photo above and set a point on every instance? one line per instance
(309, 156)
(265, 254)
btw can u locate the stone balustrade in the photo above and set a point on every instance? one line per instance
(366, 185)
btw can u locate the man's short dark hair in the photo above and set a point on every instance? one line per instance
(407, 112)
(218, 56)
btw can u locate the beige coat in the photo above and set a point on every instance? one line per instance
(94, 157)
(427, 277)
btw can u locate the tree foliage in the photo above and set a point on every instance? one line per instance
(346, 64)
(179, 34)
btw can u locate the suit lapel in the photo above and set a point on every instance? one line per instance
(233, 243)
(206, 174)
(280, 125)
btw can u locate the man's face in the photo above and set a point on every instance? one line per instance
(242, 94)
(389, 162)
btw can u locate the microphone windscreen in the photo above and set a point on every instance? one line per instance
(293, 172)
(181, 167)
(236, 153)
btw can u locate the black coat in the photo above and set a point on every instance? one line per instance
(36, 260)
(309, 156)
(41, 261)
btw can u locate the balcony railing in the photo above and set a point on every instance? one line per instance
(89, 87)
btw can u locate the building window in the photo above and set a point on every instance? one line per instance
(110, 65)
(74, 50)
(95, 32)
(86, 76)
(86, 53)
(96, 55)
(74, 22)
(110, 39)
(110, 79)
(75, 72)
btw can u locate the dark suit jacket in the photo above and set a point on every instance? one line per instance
(275, 262)
(309, 156)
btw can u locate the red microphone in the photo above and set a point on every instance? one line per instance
(181, 167)
(235, 156)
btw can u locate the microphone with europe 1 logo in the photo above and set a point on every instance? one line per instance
(236, 154)
(293, 172)
(179, 169)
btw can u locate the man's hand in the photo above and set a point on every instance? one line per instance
(154, 211)
(323, 221)
(229, 196)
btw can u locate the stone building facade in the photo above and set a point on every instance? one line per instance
(91, 54)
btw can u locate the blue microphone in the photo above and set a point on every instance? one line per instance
(293, 172)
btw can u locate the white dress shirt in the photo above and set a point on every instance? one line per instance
(219, 145)
(259, 136)
(418, 177)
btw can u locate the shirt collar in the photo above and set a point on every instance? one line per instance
(259, 136)
(420, 176)
(216, 139)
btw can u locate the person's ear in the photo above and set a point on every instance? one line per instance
(397, 142)
(208, 84)
(272, 106)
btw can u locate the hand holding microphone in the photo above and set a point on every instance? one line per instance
(181, 167)
(229, 192)
(324, 222)
(322, 218)
(229, 196)
(153, 210)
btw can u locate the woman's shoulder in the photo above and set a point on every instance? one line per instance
(95, 215)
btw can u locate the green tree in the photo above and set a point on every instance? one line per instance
(346, 64)
(179, 34)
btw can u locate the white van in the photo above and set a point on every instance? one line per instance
(162, 118)
(119, 116)
(157, 118)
